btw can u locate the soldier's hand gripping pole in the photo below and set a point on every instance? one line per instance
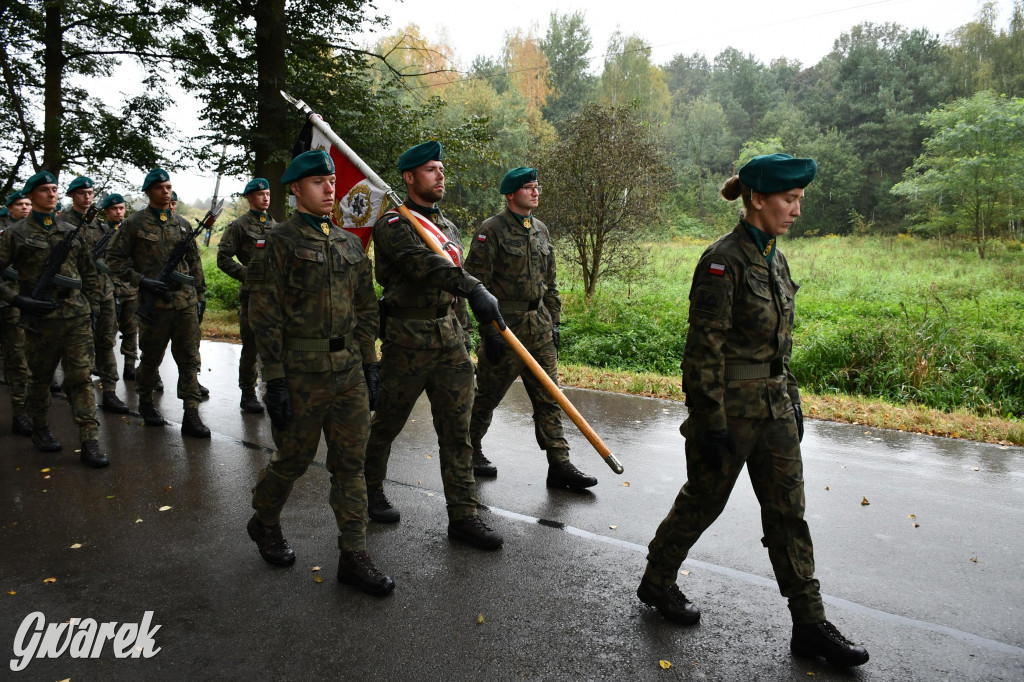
(506, 334)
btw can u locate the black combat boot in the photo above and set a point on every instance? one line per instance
(474, 531)
(130, 373)
(192, 425)
(822, 639)
(273, 547)
(44, 440)
(566, 475)
(204, 391)
(356, 568)
(158, 384)
(111, 403)
(482, 466)
(150, 415)
(92, 456)
(56, 387)
(251, 404)
(21, 425)
(670, 602)
(379, 509)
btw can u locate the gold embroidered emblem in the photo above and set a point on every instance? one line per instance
(527, 223)
(163, 217)
(768, 248)
(263, 218)
(47, 220)
(326, 228)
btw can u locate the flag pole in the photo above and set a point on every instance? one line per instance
(506, 334)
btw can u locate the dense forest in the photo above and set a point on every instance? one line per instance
(912, 131)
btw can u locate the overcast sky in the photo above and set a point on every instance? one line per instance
(796, 29)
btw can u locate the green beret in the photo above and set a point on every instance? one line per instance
(313, 162)
(516, 178)
(777, 173)
(81, 182)
(174, 196)
(40, 178)
(14, 196)
(154, 176)
(419, 155)
(111, 200)
(256, 185)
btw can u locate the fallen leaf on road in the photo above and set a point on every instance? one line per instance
(864, 502)
(50, 580)
(684, 572)
(911, 516)
(665, 665)
(138, 520)
(826, 487)
(317, 578)
(165, 507)
(167, 488)
(917, 525)
(977, 469)
(46, 476)
(12, 592)
(77, 545)
(974, 559)
(613, 527)
(110, 497)
(44, 470)
(316, 568)
(480, 619)
(625, 484)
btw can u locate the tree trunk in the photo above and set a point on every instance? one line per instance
(53, 107)
(271, 140)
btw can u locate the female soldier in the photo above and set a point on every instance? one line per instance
(744, 407)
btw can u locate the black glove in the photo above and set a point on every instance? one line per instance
(33, 306)
(93, 319)
(371, 372)
(201, 310)
(153, 286)
(799, 422)
(494, 348)
(715, 444)
(556, 336)
(279, 402)
(485, 306)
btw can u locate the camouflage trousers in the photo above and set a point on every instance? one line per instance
(180, 328)
(247, 373)
(104, 338)
(493, 382)
(128, 325)
(771, 450)
(68, 342)
(335, 404)
(12, 345)
(447, 377)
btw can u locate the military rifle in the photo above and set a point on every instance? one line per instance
(169, 272)
(51, 271)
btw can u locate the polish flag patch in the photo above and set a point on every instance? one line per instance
(260, 243)
(717, 269)
(392, 220)
(481, 237)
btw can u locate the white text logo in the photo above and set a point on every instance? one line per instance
(81, 638)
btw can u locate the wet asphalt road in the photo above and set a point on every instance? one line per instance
(940, 600)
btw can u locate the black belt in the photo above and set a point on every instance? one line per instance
(419, 313)
(760, 371)
(319, 345)
(519, 306)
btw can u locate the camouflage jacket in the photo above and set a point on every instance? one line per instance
(741, 315)
(239, 241)
(414, 277)
(94, 232)
(517, 265)
(125, 291)
(26, 245)
(306, 286)
(144, 244)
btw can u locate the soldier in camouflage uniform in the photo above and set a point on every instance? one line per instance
(511, 254)
(58, 326)
(239, 241)
(174, 308)
(424, 347)
(314, 315)
(12, 337)
(744, 408)
(97, 235)
(126, 297)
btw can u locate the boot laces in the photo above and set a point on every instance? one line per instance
(364, 561)
(380, 499)
(676, 595)
(830, 631)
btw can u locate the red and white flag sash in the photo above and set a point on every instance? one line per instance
(453, 249)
